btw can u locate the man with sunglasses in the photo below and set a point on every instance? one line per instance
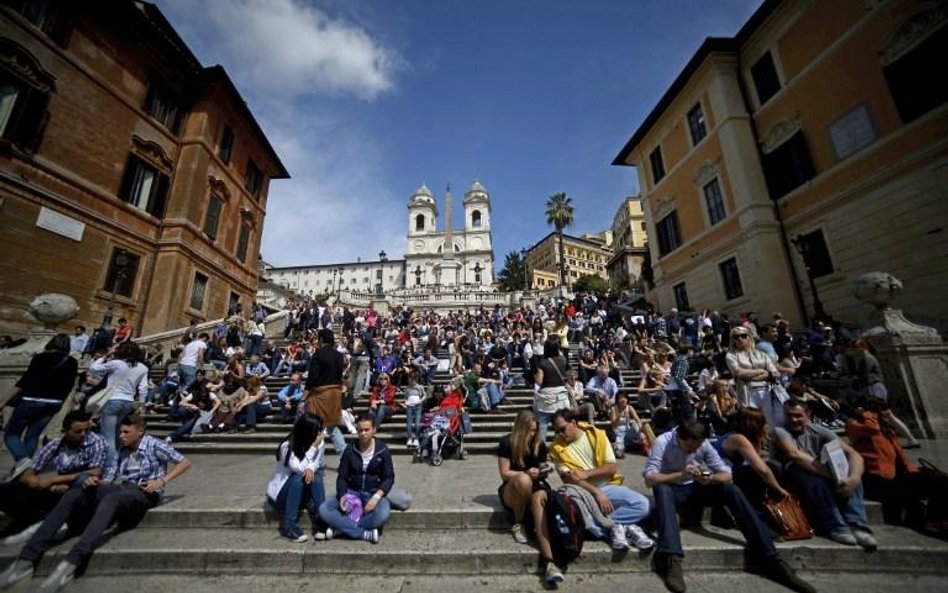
(584, 457)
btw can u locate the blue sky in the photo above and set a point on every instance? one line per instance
(366, 100)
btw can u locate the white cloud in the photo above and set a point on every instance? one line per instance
(292, 48)
(283, 55)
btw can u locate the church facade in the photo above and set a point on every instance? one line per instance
(427, 266)
(449, 257)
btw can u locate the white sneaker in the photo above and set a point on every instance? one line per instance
(553, 573)
(329, 533)
(22, 537)
(371, 535)
(619, 540)
(16, 572)
(638, 537)
(64, 574)
(518, 534)
(18, 469)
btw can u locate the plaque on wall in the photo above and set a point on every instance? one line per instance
(60, 224)
(852, 132)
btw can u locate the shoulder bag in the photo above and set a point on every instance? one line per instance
(787, 518)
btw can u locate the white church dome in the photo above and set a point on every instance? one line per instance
(475, 193)
(422, 197)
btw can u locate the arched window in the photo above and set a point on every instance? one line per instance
(420, 222)
(476, 219)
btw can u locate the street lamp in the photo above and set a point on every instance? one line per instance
(523, 265)
(803, 248)
(121, 268)
(382, 260)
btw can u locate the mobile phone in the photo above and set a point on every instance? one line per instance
(706, 473)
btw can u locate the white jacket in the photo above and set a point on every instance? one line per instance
(281, 473)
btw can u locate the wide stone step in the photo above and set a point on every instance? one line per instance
(207, 551)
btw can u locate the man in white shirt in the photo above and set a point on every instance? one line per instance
(78, 342)
(192, 358)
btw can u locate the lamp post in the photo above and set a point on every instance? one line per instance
(121, 265)
(523, 266)
(382, 260)
(803, 248)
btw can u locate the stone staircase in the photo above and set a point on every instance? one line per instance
(214, 523)
(488, 428)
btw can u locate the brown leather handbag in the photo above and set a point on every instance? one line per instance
(787, 518)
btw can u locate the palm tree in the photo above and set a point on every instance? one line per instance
(559, 213)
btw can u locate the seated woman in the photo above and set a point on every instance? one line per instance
(627, 427)
(365, 476)
(382, 399)
(255, 403)
(577, 398)
(228, 397)
(891, 478)
(188, 410)
(298, 478)
(716, 408)
(747, 449)
(521, 459)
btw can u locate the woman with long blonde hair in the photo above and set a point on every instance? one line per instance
(521, 459)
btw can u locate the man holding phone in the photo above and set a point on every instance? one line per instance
(686, 474)
(133, 483)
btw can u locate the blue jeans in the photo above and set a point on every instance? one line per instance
(495, 394)
(628, 506)
(828, 511)
(627, 436)
(293, 498)
(338, 441)
(413, 422)
(382, 413)
(112, 412)
(251, 412)
(30, 418)
(188, 419)
(187, 374)
(670, 498)
(330, 512)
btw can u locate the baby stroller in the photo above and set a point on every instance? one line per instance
(443, 432)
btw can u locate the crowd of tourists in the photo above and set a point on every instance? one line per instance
(740, 413)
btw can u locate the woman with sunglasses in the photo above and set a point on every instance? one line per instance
(754, 373)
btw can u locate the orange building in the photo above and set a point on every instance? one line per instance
(125, 166)
(808, 149)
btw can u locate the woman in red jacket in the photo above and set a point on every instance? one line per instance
(382, 399)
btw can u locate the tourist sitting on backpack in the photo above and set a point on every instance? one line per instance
(521, 459)
(584, 457)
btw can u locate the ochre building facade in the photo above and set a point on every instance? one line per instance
(124, 164)
(808, 149)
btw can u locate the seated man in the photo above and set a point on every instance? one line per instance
(686, 473)
(583, 456)
(602, 390)
(427, 366)
(256, 368)
(133, 483)
(290, 397)
(477, 379)
(62, 464)
(834, 509)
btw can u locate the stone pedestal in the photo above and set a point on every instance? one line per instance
(914, 358)
(50, 309)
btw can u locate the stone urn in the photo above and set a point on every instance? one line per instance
(878, 289)
(52, 309)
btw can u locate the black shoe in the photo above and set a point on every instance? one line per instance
(669, 568)
(777, 570)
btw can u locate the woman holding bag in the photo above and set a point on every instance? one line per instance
(127, 382)
(755, 376)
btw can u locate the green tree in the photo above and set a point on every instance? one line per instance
(591, 283)
(513, 275)
(559, 213)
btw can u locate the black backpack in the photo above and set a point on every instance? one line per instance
(566, 526)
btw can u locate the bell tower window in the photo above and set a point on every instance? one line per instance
(420, 222)
(476, 219)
